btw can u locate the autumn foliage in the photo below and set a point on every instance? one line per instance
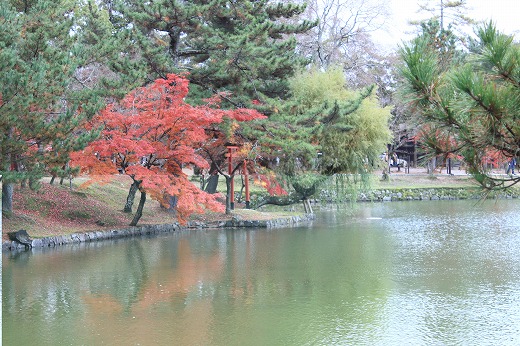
(151, 135)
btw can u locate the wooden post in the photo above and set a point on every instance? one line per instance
(246, 178)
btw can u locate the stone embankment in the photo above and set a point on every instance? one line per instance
(417, 194)
(431, 194)
(239, 222)
(76, 238)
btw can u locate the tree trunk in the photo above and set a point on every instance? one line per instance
(8, 186)
(212, 183)
(139, 211)
(52, 180)
(202, 182)
(7, 197)
(242, 187)
(131, 196)
(228, 195)
(307, 207)
(172, 204)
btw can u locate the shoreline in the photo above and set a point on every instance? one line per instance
(144, 230)
(237, 221)
(400, 188)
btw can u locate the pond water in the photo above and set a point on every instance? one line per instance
(400, 273)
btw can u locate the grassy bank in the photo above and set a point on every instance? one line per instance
(56, 210)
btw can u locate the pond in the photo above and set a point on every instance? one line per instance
(399, 273)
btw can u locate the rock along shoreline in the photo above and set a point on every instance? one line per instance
(137, 231)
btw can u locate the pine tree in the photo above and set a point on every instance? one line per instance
(447, 12)
(241, 49)
(471, 109)
(49, 51)
(38, 111)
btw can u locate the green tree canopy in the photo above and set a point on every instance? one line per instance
(470, 109)
(243, 48)
(406, 124)
(54, 75)
(323, 129)
(349, 126)
(39, 110)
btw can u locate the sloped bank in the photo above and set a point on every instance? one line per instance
(144, 230)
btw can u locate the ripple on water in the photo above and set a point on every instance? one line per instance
(422, 273)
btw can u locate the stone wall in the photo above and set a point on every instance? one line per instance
(74, 238)
(238, 222)
(429, 194)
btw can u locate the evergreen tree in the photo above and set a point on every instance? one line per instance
(44, 94)
(35, 63)
(406, 123)
(451, 15)
(471, 109)
(242, 48)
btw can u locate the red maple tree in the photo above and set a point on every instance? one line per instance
(150, 136)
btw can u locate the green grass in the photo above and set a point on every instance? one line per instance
(112, 194)
(77, 215)
(424, 181)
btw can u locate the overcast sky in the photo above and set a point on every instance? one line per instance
(505, 14)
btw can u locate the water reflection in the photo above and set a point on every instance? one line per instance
(382, 274)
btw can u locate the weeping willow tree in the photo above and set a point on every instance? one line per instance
(472, 109)
(325, 130)
(350, 157)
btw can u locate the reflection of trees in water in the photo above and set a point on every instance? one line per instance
(290, 286)
(131, 276)
(171, 293)
(59, 286)
(273, 274)
(48, 297)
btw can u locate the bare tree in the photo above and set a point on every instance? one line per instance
(451, 15)
(342, 24)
